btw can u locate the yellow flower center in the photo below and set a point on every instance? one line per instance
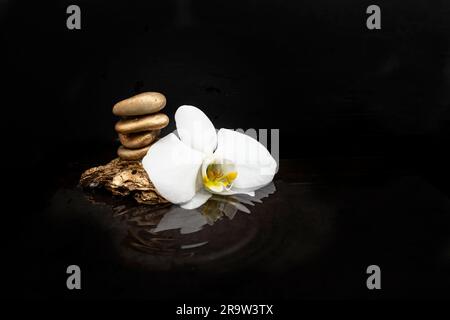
(218, 177)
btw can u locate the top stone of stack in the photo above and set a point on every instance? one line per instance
(141, 104)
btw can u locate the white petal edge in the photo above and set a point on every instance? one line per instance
(195, 129)
(254, 164)
(173, 168)
(198, 200)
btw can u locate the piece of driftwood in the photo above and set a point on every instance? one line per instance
(123, 178)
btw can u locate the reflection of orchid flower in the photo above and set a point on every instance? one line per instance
(188, 169)
(189, 221)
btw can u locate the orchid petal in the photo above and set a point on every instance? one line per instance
(195, 129)
(198, 200)
(173, 168)
(255, 166)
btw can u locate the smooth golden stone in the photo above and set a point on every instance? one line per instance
(138, 140)
(132, 154)
(141, 104)
(144, 123)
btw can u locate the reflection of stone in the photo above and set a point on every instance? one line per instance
(123, 178)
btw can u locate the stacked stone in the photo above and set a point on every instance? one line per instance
(140, 124)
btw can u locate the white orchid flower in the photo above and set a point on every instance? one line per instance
(187, 169)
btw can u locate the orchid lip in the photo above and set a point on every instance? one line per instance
(218, 174)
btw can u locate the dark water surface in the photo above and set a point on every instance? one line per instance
(366, 113)
(312, 235)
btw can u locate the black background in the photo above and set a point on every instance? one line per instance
(309, 68)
